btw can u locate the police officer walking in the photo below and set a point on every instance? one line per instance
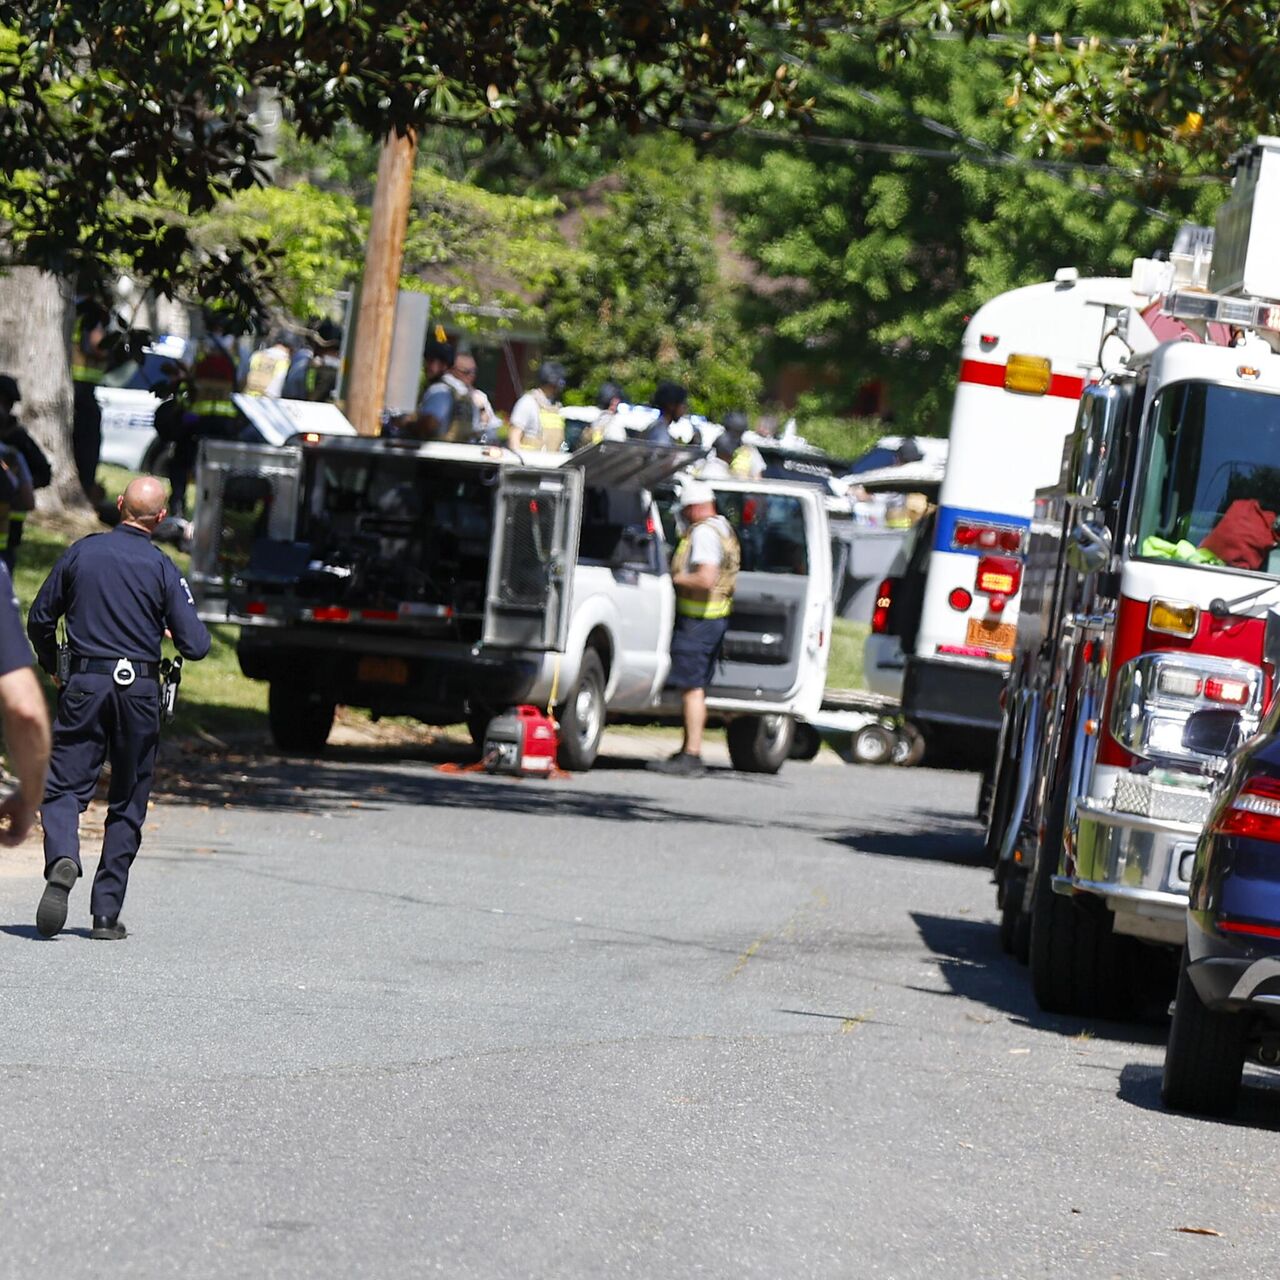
(119, 593)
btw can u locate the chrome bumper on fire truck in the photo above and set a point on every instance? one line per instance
(1137, 853)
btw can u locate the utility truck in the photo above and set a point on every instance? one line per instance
(449, 582)
(1147, 646)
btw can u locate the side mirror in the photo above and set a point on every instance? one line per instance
(1088, 548)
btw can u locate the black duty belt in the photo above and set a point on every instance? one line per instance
(123, 670)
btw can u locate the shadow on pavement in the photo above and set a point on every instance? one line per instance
(32, 934)
(937, 836)
(359, 778)
(974, 968)
(1259, 1106)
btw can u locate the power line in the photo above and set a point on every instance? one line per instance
(1050, 40)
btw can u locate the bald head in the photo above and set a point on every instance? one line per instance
(143, 502)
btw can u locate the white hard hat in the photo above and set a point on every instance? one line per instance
(694, 493)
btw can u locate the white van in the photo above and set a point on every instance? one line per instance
(450, 582)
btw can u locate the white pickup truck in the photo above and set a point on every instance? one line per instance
(450, 582)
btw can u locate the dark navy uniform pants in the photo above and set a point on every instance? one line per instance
(98, 720)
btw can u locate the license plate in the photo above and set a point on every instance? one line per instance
(996, 636)
(382, 671)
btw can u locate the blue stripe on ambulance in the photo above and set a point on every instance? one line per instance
(948, 517)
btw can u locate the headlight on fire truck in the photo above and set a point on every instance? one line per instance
(1184, 707)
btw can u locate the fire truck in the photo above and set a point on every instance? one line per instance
(1147, 645)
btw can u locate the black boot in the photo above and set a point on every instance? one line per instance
(108, 929)
(51, 914)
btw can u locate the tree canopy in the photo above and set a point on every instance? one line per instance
(878, 253)
(110, 101)
(646, 301)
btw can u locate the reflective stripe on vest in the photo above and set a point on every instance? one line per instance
(719, 602)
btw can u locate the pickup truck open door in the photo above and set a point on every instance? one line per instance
(535, 543)
(244, 493)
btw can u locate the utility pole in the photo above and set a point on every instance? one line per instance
(371, 353)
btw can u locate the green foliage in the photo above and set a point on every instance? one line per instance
(646, 303)
(104, 106)
(878, 259)
(846, 438)
(1202, 80)
(474, 250)
(315, 239)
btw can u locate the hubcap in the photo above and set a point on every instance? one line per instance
(586, 711)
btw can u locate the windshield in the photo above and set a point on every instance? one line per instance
(1211, 486)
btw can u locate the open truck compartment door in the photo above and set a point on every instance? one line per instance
(535, 544)
(244, 493)
(779, 637)
(631, 464)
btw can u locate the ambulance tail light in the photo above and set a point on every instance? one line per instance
(884, 603)
(998, 576)
(1030, 375)
(982, 537)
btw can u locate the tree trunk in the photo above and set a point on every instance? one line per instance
(371, 355)
(36, 312)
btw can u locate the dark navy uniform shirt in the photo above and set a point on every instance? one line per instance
(118, 593)
(14, 650)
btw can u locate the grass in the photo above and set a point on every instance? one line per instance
(844, 667)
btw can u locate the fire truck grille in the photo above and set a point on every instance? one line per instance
(1159, 801)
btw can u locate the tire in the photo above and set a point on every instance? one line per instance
(760, 744)
(299, 718)
(908, 746)
(873, 744)
(1076, 959)
(1204, 1058)
(582, 716)
(807, 744)
(1012, 891)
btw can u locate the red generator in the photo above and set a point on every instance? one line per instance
(521, 741)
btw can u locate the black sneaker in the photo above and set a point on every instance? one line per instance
(680, 765)
(51, 914)
(108, 930)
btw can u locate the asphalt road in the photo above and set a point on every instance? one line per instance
(378, 1020)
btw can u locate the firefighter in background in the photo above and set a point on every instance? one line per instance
(15, 437)
(744, 461)
(607, 425)
(198, 407)
(536, 420)
(269, 367)
(704, 572)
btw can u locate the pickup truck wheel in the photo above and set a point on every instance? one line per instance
(807, 742)
(1204, 1058)
(760, 744)
(299, 718)
(582, 716)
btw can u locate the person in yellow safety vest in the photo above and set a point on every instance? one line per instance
(536, 420)
(14, 437)
(269, 367)
(744, 460)
(704, 571)
(607, 425)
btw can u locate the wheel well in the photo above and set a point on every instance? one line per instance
(599, 641)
